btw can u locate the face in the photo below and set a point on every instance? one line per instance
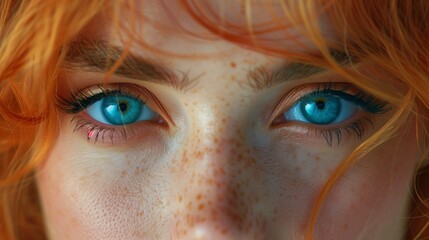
(208, 146)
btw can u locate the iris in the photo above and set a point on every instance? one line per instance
(321, 109)
(120, 109)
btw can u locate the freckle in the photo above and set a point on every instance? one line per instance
(140, 213)
(224, 231)
(199, 197)
(180, 198)
(201, 207)
(199, 154)
(233, 64)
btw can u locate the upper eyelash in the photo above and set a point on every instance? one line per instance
(84, 99)
(364, 100)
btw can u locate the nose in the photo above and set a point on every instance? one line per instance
(218, 198)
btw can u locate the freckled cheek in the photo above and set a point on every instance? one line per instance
(371, 199)
(294, 174)
(98, 194)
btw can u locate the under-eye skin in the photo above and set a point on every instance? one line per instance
(111, 113)
(330, 110)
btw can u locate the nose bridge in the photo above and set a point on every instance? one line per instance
(216, 200)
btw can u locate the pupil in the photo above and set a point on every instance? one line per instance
(123, 107)
(320, 104)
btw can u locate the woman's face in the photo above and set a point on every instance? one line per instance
(225, 143)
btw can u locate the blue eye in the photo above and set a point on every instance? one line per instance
(321, 108)
(120, 109)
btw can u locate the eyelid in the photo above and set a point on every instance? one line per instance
(99, 91)
(98, 132)
(290, 98)
(356, 125)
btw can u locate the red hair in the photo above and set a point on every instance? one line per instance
(392, 35)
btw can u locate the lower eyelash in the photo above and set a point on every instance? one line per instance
(97, 133)
(356, 129)
(369, 105)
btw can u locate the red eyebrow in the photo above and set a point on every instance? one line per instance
(98, 56)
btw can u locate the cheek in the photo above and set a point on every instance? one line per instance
(221, 184)
(368, 201)
(371, 199)
(293, 175)
(91, 193)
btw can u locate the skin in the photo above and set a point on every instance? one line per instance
(217, 168)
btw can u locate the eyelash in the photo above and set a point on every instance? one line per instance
(369, 104)
(99, 131)
(85, 99)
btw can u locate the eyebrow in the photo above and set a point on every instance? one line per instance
(96, 55)
(261, 78)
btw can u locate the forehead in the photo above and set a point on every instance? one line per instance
(172, 35)
(201, 28)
